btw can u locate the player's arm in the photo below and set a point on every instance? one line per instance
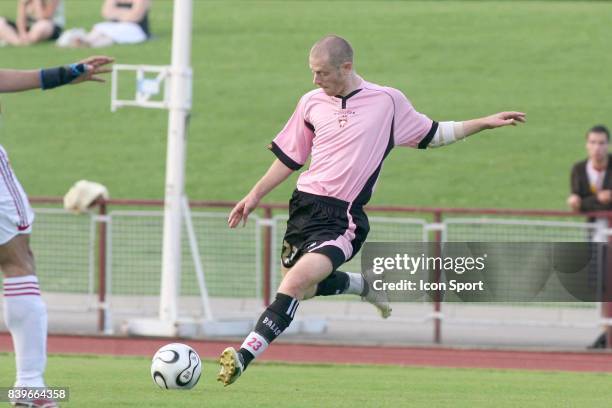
(22, 80)
(14, 81)
(276, 174)
(450, 132)
(292, 146)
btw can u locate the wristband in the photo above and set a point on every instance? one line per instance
(53, 77)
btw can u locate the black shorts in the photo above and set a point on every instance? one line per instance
(324, 225)
(57, 30)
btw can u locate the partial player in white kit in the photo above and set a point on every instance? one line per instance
(25, 313)
(347, 127)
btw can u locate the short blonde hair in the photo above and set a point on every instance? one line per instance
(337, 49)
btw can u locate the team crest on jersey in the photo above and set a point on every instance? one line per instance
(343, 116)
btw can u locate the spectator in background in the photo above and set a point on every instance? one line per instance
(591, 184)
(127, 22)
(37, 20)
(591, 180)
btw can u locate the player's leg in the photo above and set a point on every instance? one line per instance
(25, 313)
(303, 276)
(339, 282)
(8, 33)
(284, 270)
(311, 269)
(351, 283)
(40, 31)
(336, 283)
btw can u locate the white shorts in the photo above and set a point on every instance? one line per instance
(121, 32)
(16, 215)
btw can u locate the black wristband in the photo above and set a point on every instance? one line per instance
(54, 77)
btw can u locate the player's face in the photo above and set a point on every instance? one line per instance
(597, 145)
(326, 76)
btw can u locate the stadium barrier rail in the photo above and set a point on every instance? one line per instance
(108, 259)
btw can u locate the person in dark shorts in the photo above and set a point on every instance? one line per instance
(347, 127)
(37, 20)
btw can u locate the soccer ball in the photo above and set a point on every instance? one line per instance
(176, 366)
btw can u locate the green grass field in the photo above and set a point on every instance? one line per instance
(455, 60)
(125, 382)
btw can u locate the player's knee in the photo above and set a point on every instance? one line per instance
(294, 287)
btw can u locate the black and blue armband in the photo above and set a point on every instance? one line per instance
(53, 77)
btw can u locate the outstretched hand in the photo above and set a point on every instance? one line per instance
(241, 211)
(504, 119)
(94, 66)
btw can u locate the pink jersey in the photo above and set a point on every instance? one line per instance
(348, 138)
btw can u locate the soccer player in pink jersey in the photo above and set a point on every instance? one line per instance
(25, 313)
(347, 127)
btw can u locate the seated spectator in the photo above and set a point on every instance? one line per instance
(37, 20)
(127, 22)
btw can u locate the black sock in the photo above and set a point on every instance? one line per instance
(272, 322)
(336, 283)
(245, 356)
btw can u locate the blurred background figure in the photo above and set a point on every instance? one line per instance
(591, 183)
(127, 22)
(37, 20)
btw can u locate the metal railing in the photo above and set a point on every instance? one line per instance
(118, 248)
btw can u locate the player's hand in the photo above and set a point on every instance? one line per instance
(604, 196)
(94, 66)
(241, 211)
(574, 201)
(504, 119)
